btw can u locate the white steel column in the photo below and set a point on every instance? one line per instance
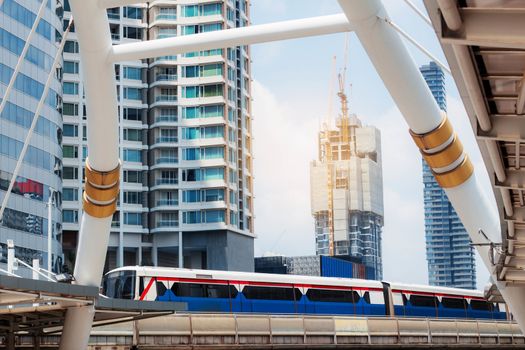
(415, 101)
(260, 33)
(92, 28)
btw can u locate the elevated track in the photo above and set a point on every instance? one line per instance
(245, 331)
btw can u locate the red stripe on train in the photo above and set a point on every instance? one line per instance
(145, 292)
(263, 284)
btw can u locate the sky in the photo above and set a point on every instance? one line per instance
(291, 88)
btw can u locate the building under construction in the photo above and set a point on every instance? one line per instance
(346, 184)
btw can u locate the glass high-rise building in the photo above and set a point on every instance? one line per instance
(185, 131)
(25, 220)
(450, 256)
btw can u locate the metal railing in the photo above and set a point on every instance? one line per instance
(166, 181)
(166, 98)
(167, 202)
(161, 139)
(166, 118)
(165, 77)
(167, 223)
(169, 160)
(166, 16)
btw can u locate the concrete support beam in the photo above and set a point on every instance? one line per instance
(515, 180)
(504, 128)
(488, 27)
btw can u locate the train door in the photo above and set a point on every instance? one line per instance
(235, 298)
(361, 307)
(300, 300)
(374, 303)
(398, 301)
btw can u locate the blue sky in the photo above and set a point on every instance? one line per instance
(291, 98)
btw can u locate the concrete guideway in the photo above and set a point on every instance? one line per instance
(245, 331)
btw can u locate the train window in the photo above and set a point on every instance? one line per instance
(334, 296)
(194, 290)
(454, 303)
(119, 285)
(481, 305)
(271, 293)
(198, 290)
(423, 300)
(220, 291)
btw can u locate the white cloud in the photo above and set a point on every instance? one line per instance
(285, 142)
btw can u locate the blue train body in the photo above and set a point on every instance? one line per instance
(223, 292)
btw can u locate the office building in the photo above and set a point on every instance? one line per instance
(25, 220)
(450, 256)
(185, 131)
(347, 192)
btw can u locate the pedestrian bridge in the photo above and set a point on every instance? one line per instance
(245, 331)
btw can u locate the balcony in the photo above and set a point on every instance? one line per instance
(166, 118)
(166, 139)
(166, 58)
(167, 223)
(166, 98)
(165, 77)
(166, 17)
(115, 36)
(166, 182)
(167, 202)
(166, 160)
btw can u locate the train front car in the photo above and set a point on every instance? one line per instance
(442, 302)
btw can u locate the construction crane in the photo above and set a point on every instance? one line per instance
(344, 119)
(344, 144)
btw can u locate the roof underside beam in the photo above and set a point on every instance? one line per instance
(488, 27)
(505, 128)
(514, 180)
(232, 37)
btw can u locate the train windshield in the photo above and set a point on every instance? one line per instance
(119, 285)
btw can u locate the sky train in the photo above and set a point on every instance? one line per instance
(222, 291)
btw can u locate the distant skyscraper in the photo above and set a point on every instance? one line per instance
(347, 192)
(25, 219)
(449, 253)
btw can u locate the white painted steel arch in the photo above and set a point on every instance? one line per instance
(383, 45)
